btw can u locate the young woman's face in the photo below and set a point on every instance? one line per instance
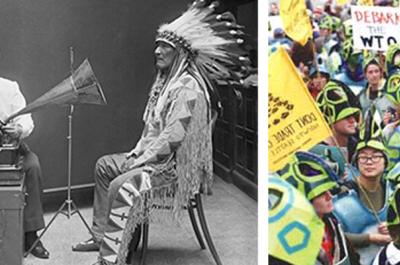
(373, 74)
(371, 163)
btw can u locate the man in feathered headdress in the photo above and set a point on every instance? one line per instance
(174, 153)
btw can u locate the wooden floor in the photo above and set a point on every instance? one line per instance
(231, 217)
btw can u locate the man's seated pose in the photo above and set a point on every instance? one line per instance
(11, 101)
(175, 150)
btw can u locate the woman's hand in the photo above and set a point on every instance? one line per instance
(383, 229)
(387, 117)
(379, 239)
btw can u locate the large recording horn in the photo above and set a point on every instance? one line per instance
(81, 87)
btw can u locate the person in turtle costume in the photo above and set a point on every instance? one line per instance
(319, 77)
(346, 30)
(392, 118)
(390, 254)
(361, 207)
(373, 93)
(392, 85)
(314, 178)
(341, 110)
(391, 134)
(288, 207)
(392, 58)
(351, 71)
(328, 44)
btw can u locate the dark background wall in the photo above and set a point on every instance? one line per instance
(118, 38)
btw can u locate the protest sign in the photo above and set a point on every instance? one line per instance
(274, 22)
(294, 120)
(296, 22)
(374, 27)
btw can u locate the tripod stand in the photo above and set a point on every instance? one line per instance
(68, 205)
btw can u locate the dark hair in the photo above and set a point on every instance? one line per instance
(302, 54)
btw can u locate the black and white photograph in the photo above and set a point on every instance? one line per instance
(128, 132)
(333, 132)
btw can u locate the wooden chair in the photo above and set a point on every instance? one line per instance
(194, 203)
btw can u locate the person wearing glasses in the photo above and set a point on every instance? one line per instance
(362, 205)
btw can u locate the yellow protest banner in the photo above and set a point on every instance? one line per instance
(294, 230)
(294, 120)
(342, 2)
(365, 2)
(296, 22)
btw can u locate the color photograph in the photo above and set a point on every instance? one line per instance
(333, 132)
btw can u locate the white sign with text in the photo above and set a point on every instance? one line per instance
(375, 28)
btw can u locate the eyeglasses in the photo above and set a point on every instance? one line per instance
(374, 159)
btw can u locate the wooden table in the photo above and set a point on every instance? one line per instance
(11, 220)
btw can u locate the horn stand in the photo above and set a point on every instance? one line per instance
(68, 204)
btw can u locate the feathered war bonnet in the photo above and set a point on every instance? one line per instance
(212, 40)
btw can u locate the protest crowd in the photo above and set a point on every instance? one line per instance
(337, 201)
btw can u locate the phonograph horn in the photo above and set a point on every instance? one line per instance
(81, 87)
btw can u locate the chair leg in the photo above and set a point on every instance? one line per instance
(144, 243)
(136, 236)
(195, 227)
(134, 244)
(206, 232)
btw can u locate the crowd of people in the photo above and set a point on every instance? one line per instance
(351, 179)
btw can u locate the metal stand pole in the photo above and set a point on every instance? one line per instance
(70, 206)
(69, 138)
